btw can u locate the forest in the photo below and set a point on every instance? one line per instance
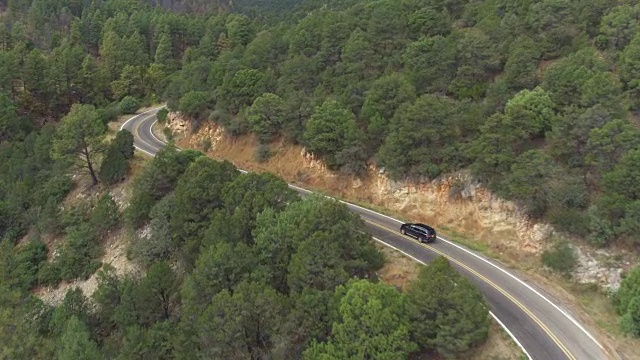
(237, 266)
(538, 98)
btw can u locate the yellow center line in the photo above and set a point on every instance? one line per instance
(137, 131)
(493, 285)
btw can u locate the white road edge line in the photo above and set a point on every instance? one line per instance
(574, 321)
(504, 327)
(151, 131)
(135, 117)
(568, 316)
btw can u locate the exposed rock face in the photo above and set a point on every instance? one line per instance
(177, 123)
(454, 202)
(599, 267)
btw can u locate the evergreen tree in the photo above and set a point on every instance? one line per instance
(116, 162)
(373, 324)
(448, 313)
(75, 343)
(79, 138)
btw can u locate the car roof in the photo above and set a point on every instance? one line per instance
(426, 227)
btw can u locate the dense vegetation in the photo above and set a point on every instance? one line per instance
(237, 267)
(537, 98)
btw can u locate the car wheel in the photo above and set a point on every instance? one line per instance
(422, 240)
(403, 232)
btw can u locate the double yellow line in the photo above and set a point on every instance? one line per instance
(493, 285)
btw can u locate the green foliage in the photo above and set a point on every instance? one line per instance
(373, 323)
(159, 245)
(22, 317)
(527, 181)
(75, 343)
(240, 89)
(263, 153)
(424, 88)
(168, 134)
(266, 115)
(19, 267)
(199, 192)
(78, 138)
(627, 301)
(520, 68)
(431, 62)
(115, 165)
(332, 133)
(11, 125)
(105, 215)
(448, 314)
(162, 115)
(422, 138)
(79, 254)
(159, 292)
(629, 70)
(561, 257)
(129, 85)
(245, 323)
(129, 105)
(219, 267)
(157, 180)
(194, 104)
(619, 26)
(29, 261)
(280, 237)
(382, 100)
(533, 111)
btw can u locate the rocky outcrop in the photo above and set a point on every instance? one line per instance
(177, 123)
(454, 202)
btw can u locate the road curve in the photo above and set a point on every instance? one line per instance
(543, 329)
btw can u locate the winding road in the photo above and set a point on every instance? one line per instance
(543, 329)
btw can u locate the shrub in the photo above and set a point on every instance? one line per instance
(56, 188)
(162, 115)
(79, 253)
(29, 261)
(109, 113)
(194, 104)
(105, 216)
(600, 228)
(567, 220)
(116, 163)
(263, 153)
(158, 179)
(75, 215)
(168, 134)
(237, 126)
(560, 258)
(129, 105)
(628, 302)
(206, 145)
(49, 274)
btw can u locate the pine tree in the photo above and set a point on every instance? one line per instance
(448, 313)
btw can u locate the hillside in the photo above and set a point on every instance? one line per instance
(532, 100)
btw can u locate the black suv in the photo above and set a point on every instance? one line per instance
(422, 232)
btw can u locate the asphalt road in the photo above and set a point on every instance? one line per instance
(543, 329)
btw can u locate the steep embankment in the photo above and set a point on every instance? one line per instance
(454, 203)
